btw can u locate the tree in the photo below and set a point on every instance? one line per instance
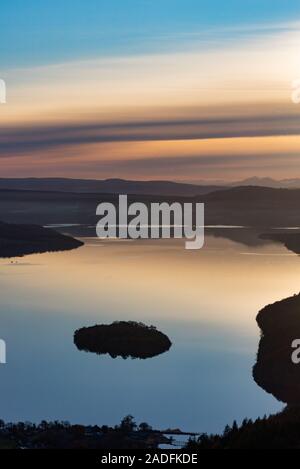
(145, 427)
(128, 424)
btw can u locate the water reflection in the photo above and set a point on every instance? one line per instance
(205, 300)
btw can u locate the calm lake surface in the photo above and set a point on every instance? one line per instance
(206, 302)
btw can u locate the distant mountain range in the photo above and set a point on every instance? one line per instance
(117, 186)
(107, 186)
(293, 183)
(253, 206)
(269, 182)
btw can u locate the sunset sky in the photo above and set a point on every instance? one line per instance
(141, 89)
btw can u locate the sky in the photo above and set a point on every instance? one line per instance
(139, 89)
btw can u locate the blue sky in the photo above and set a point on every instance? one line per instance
(41, 32)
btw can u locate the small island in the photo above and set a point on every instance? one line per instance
(21, 240)
(122, 339)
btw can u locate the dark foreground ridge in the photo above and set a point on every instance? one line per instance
(20, 240)
(279, 431)
(124, 339)
(63, 435)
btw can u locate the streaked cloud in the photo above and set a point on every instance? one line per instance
(205, 107)
(27, 140)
